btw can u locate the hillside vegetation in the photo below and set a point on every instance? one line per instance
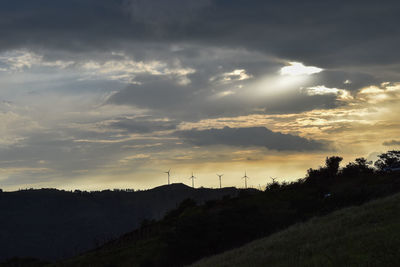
(192, 231)
(53, 224)
(368, 235)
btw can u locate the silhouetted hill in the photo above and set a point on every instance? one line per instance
(368, 235)
(54, 224)
(191, 232)
(176, 187)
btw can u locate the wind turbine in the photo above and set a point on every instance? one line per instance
(220, 175)
(245, 177)
(192, 177)
(168, 172)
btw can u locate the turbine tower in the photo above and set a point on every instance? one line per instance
(220, 184)
(168, 172)
(192, 177)
(245, 177)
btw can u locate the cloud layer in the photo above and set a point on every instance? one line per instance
(324, 34)
(250, 137)
(93, 89)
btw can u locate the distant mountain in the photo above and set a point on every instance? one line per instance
(53, 224)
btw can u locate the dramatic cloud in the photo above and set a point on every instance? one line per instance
(250, 137)
(323, 90)
(355, 33)
(97, 92)
(157, 12)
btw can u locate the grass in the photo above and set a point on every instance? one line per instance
(133, 255)
(367, 235)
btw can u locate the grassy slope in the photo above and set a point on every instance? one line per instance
(192, 233)
(367, 235)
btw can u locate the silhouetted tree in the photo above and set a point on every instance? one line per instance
(324, 174)
(360, 166)
(274, 186)
(390, 159)
(332, 165)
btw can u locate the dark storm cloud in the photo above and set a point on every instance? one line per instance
(248, 137)
(214, 37)
(323, 33)
(70, 25)
(210, 36)
(350, 80)
(159, 11)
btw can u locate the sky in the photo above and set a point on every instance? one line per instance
(98, 94)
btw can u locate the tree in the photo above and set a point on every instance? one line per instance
(332, 165)
(360, 166)
(390, 159)
(325, 174)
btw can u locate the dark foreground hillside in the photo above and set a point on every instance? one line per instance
(367, 235)
(53, 224)
(192, 232)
